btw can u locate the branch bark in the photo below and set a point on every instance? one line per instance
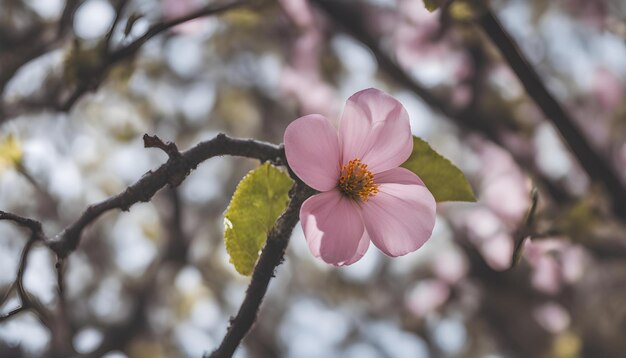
(271, 256)
(172, 173)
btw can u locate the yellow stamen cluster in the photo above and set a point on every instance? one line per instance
(356, 181)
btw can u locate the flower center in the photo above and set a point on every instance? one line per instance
(356, 181)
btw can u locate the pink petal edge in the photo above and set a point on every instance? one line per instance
(364, 244)
(400, 218)
(398, 176)
(374, 127)
(312, 151)
(332, 227)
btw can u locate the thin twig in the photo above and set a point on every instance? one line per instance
(271, 256)
(67, 17)
(47, 40)
(525, 232)
(12, 313)
(129, 50)
(160, 27)
(119, 10)
(26, 301)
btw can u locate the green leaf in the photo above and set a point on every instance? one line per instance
(442, 178)
(432, 5)
(258, 201)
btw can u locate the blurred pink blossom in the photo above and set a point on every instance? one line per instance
(554, 262)
(303, 81)
(546, 275)
(488, 234)
(313, 94)
(594, 13)
(173, 9)
(607, 89)
(299, 11)
(504, 188)
(534, 250)
(553, 317)
(302, 78)
(498, 251)
(427, 296)
(574, 261)
(365, 195)
(450, 266)
(416, 46)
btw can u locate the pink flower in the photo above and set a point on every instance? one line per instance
(365, 195)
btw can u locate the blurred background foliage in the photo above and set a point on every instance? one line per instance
(156, 281)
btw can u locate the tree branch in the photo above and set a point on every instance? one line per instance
(597, 167)
(271, 257)
(160, 27)
(172, 173)
(47, 39)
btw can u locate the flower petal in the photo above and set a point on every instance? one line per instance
(400, 218)
(364, 244)
(398, 176)
(312, 150)
(332, 226)
(374, 127)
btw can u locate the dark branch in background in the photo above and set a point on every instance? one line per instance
(271, 256)
(47, 40)
(113, 57)
(110, 57)
(158, 28)
(172, 172)
(118, 336)
(597, 167)
(67, 17)
(119, 11)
